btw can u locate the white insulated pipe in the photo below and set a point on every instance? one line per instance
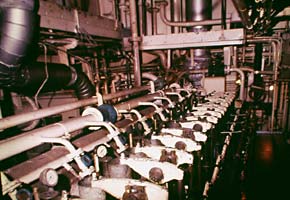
(242, 77)
(45, 112)
(20, 143)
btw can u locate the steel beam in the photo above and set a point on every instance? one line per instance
(191, 40)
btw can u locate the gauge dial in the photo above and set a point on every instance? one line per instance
(102, 151)
(49, 177)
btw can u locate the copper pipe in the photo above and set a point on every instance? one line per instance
(135, 40)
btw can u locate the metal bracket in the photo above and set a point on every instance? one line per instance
(157, 109)
(9, 186)
(141, 119)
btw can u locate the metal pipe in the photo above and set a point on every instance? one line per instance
(20, 143)
(45, 112)
(149, 76)
(162, 56)
(57, 156)
(276, 48)
(242, 77)
(34, 138)
(135, 40)
(224, 14)
(286, 103)
(166, 21)
(154, 12)
(243, 12)
(133, 103)
(141, 19)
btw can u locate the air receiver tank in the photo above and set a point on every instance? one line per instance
(198, 10)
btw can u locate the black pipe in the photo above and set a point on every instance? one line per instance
(224, 14)
(19, 35)
(30, 78)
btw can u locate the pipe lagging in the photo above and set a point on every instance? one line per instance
(15, 120)
(20, 143)
(28, 140)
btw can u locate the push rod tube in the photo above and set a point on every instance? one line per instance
(166, 21)
(15, 120)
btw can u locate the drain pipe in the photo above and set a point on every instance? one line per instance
(135, 40)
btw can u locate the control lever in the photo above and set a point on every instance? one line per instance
(117, 187)
(155, 152)
(157, 109)
(158, 172)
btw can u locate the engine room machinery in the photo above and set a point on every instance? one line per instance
(138, 99)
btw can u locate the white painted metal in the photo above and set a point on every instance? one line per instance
(191, 40)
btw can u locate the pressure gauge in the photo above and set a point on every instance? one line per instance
(49, 177)
(101, 151)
